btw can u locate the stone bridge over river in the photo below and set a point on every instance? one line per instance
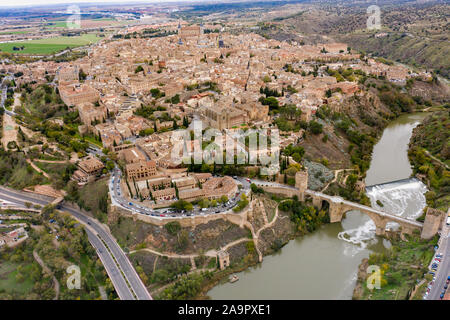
(339, 206)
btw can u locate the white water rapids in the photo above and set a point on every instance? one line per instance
(403, 198)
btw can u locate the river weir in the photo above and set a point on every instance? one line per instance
(323, 265)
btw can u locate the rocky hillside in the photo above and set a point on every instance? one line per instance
(430, 155)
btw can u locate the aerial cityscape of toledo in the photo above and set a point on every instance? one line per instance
(224, 150)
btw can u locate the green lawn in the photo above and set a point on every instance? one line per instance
(8, 280)
(49, 46)
(58, 24)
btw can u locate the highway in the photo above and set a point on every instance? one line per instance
(126, 281)
(443, 270)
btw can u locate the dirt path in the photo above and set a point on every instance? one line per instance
(16, 101)
(436, 159)
(336, 175)
(209, 253)
(213, 252)
(267, 225)
(35, 167)
(51, 161)
(47, 270)
(9, 131)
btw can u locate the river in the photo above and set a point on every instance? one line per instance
(323, 265)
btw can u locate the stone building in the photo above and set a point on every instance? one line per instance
(88, 169)
(164, 194)
(224, 259)
(132, 155)
(68, 73)
(89, 113)
(76, 94)
(432, 223)
(301, 183)
(189, 32)
(223, 118)
(191, 194)
(141, 170)
(185, 183)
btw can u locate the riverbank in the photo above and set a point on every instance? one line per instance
(328, 258)
(401, 268)
(429, 153)
(304, 220)
(406, 262)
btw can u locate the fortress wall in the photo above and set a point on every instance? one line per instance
(239, 218)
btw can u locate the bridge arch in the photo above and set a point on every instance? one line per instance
(379, 222)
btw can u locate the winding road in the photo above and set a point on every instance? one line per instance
(126, 281)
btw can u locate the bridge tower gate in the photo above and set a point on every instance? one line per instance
(301, 183)
(317, 202)
(432, 223)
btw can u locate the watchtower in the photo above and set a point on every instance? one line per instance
(433, 219)
(301, 183)
(224, 259)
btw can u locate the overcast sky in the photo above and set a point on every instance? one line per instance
(10, 3)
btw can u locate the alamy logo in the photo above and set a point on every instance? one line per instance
(74, 21)
(374, 278)
(74, 280)
(374, 19)
(253, 146)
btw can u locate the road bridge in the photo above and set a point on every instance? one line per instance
(338, 206)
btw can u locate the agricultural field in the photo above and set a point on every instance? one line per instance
(85, 23)
(50, 45)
